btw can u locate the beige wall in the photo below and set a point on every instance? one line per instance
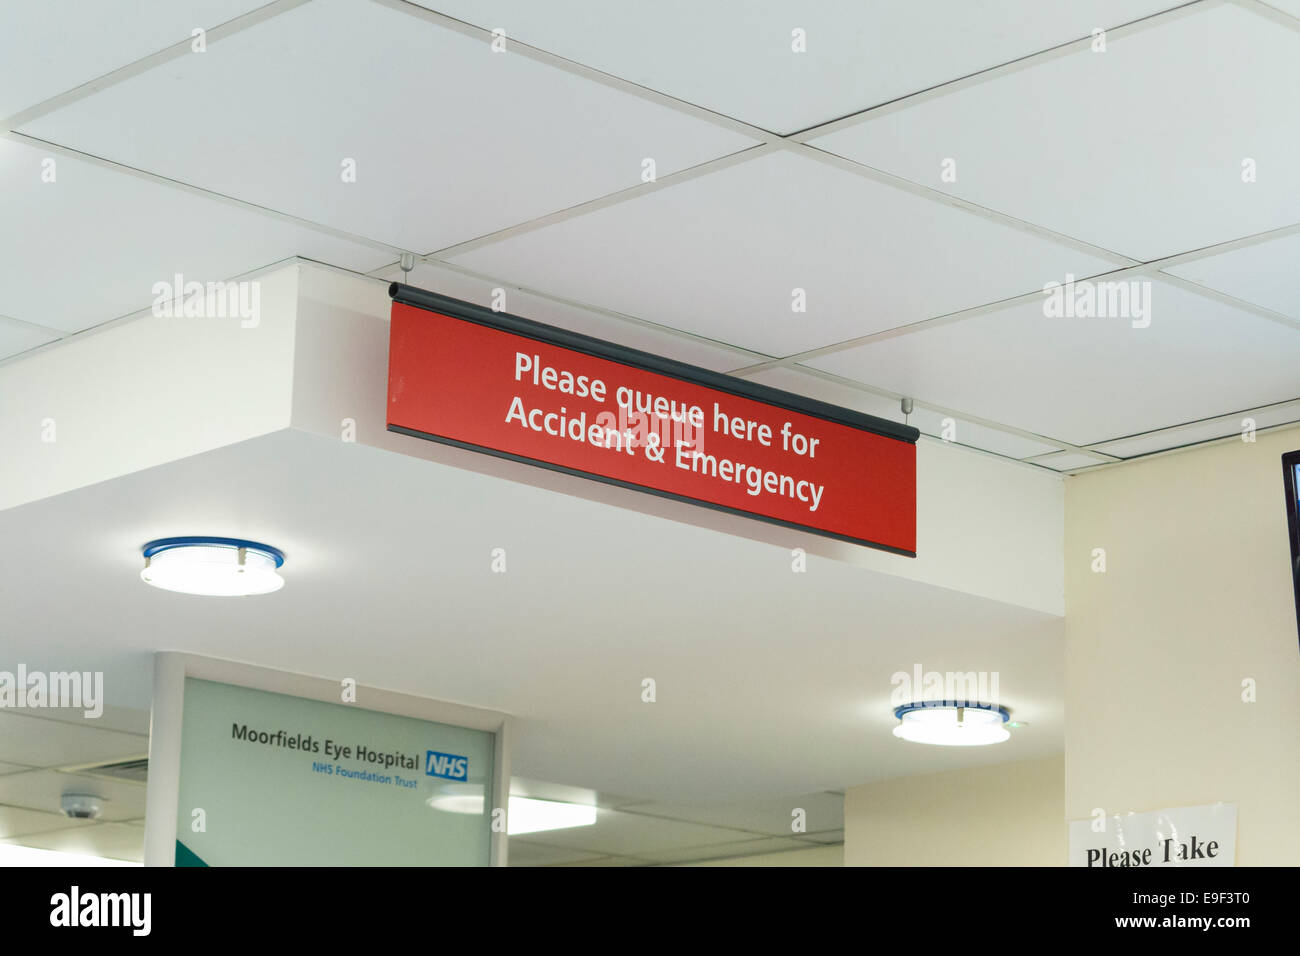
(1007, 814)
(1196, 598)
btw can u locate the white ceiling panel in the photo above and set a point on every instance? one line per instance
(725, 851)
(608, 861)
(670, 344)
(823, 390)
(929, 421)
(721, 256)
(18, 822)
(51, 46)
(449, 139)
(823, 811)
(18, 337)
(1138, 149)
(1282, 414)
(973, 435)
(1266, 274)
(40, 742)
(740, 60)
(117, 841)
(526, 853)
(42, 790)
(89, 246)
(1089, 380)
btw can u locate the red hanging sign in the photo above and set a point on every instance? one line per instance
(502, 385)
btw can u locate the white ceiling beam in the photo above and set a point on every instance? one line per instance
(1269, 12)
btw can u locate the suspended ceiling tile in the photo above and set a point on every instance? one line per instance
(608, 861)
(1086, 380)
(89, 246)
(1265, 274)
(959, 431)
(714, 356)
(1234, 425)
(822, 811)
(1138, 149)
(723, 255)
(448, 139)
(792, 379)
(116, 841)
(51, 46)
(740, 60)
(930, 422)
(526, 853)
(16, 822)
(42, 790)
(18, 337)
(725, 850)
(39, 742)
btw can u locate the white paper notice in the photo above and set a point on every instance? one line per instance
(1182, 836)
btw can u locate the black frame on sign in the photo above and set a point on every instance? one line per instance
(1290, 464)
(635, 358)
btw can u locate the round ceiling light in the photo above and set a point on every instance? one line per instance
(219, 567)
(952, 723)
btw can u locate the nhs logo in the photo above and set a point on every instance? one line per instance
(446, 765)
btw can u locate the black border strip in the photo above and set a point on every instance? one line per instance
(634, 358)
(1291, 462)
(577, 342)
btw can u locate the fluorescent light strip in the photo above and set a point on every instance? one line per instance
(526, 815)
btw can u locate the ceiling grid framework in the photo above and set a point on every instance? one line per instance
(721, 135)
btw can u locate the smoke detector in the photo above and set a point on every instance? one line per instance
(81, 806)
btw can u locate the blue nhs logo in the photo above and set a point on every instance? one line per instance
(446, 765)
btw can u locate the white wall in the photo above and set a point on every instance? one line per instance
(1195, 599)
(145, 391)
(1009, 814)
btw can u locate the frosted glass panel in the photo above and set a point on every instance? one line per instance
(287, 781)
